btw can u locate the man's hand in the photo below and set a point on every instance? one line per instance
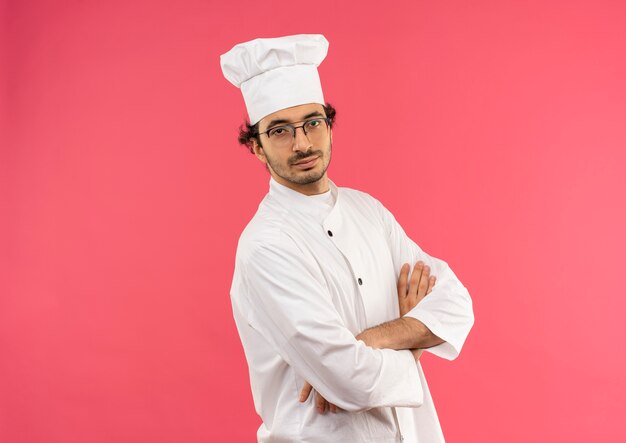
(421, 284)
(321, 403)
(410, 293)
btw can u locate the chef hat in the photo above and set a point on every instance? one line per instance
(276, 73)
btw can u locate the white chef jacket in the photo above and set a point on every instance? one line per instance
(311, 272)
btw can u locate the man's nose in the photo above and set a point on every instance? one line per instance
(301, 142)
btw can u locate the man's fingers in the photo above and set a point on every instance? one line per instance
(423, 284)
(403, 280)
(403, 289)
(415, 278)
(431, 283)
(320, 403)
(305, 392)
(420, 283)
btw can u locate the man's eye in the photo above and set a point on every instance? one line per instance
(277, 132)
(313, 123)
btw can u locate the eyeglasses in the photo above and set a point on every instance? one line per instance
(315, 129)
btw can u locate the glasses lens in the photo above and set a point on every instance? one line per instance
(280, 133)
(281, 136)
(315, 129)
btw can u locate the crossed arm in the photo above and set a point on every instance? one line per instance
(402, 333)
(280, 279)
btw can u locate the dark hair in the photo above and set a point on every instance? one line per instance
(248, 132)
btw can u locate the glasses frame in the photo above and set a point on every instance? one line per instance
(295, 128)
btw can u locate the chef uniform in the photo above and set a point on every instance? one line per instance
(312, 272)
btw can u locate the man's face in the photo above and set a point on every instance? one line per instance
(299, 164)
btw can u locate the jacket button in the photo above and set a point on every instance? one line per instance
(330, 233)
(360, 281)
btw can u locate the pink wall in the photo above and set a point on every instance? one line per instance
(495, 131)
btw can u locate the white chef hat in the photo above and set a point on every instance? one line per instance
(276, 73)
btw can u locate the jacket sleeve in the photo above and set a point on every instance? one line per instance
(447, 311)
(292, 309)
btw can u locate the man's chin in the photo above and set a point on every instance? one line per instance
(306, 180)
(306, 177)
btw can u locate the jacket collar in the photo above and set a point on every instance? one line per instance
(294, 200)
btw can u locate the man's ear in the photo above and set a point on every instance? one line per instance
(258, 151)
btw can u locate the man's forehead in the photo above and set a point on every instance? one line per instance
(293, 114)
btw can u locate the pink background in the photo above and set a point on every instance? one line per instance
(494, 131)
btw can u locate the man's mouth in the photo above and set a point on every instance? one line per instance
(306, 163)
